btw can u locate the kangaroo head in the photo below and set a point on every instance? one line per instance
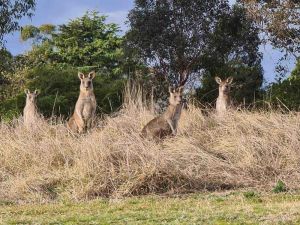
(86, 81)
(175, 95)
(31, 97)
(224, 86)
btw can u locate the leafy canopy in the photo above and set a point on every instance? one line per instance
(233, 51)
(172, 36)
(279, 20)
(83, 42)
(286, 93)
(10, 12)
(58, 53)
(197, 39)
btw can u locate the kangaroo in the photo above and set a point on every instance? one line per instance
(30, 112)
(85, 108)
(223, 100)
(166, 124)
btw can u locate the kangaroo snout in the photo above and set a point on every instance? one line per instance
(87, 84)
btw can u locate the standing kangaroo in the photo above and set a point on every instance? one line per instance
(30, 112)
(85, 108)
(223, 100)
(167, 123)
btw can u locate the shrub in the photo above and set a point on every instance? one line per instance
(59, 90)
(279, 187)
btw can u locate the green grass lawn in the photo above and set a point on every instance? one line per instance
(210, 208)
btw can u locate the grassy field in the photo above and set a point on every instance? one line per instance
(211, 208)
(51, 171)
(242, 150)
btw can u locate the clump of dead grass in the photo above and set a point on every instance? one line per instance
(242, 149)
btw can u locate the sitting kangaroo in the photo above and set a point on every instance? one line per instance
(85, 107)
(167, 123)
(223, 100)
(30, 112)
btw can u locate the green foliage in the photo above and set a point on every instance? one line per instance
(6, 67)
(252, 196)
(47, 28)
(57, 54)
(234, 51)
(88, 41)
(57, 87)
(59, 90)
(12, 107)
(6, 61)
(201, 39)
(280, 20)
(153, 210)
(85, 41)
(11, 12)
(287, 91)
(39, 35)
(279, 187)
(28, 32)
(249, 194)
(173, 36)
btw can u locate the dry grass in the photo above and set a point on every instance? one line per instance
(243, 149)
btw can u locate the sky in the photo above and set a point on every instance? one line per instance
(61, 11)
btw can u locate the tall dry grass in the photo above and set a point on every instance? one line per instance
(243, 149)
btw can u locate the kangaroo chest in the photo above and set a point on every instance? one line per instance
(86, 107)
(30, 111)
(222, 104)
(173, 114)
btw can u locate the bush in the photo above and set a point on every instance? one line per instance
(12, 107)
(59, 90)
(279, 187)
(287, 92)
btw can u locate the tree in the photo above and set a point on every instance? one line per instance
(233, 51)
(89, 41)
(6, 66)
(84, 41)
(6, 59)
(196, 38)
(59, 88)
(58, 53)
(287, 92)
(279, 20)
(171, 36)
(10, 12)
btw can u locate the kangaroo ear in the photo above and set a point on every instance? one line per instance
(92, 75)
(36, 92)
(180, 88)
(80, 75)
(171, 90)
(229, 80)
(27, 91)
(218, 80)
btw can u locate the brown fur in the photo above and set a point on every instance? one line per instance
(85, 108)
(166, 124)
(30, 112)
(223, 100)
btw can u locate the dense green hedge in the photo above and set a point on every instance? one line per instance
(59, 90)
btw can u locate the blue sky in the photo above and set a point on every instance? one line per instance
(61, 11)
